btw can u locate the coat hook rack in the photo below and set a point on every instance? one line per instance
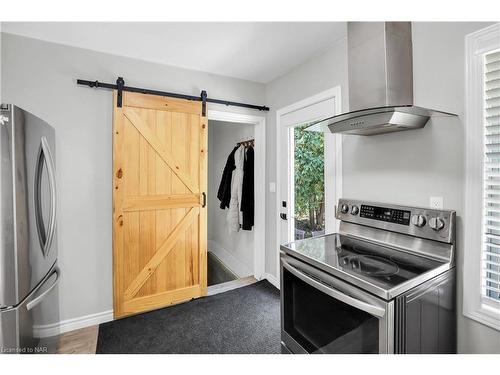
(248, 142)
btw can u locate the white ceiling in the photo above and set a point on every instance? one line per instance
(255, 51)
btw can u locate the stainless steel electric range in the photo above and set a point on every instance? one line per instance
(385, 283)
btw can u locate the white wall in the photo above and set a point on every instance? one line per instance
(41, 77)
(405, 167)
(235, 249)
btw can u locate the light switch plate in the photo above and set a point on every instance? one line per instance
(272, 187)
(436, 203)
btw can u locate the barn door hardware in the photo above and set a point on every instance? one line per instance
(203, 98)
(119, 86)
(203, 103)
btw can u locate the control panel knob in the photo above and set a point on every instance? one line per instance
(418, 220)
(354, 210)
(436, 223)
(344, 209)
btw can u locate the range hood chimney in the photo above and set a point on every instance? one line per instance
(380, 78)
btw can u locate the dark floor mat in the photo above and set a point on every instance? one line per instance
(244, 320)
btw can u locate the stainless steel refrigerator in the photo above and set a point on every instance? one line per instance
(29, 276)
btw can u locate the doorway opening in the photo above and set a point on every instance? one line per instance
(230, 242)
(308, 170)
(235, 231)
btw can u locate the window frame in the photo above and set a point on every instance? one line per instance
(477, 45)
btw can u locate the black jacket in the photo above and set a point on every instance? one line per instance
(224, 192)
(247, 195)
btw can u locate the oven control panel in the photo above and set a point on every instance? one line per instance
(391, 215)
(415, 221)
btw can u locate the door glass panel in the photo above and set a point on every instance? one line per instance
(309, 183)
(322, 324)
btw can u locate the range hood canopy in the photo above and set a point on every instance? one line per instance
(380, 80)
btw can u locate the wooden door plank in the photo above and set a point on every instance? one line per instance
(163, 299)
(160, 254)
(179, 149)
(118, 256)
(160, 103)
(131, 186)
(202, 223)
(192, 255)
(147, 218)
(131, 167)
(161, 201)
(163, 187)
(193, 147)
(151, 120)
(192, 247)
(160, 148)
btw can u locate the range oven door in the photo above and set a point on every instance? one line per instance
(322, 314)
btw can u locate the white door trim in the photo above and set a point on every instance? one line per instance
(259, 181)
(334, 142)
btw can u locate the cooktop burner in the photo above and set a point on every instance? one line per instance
(370, 265)
(379, 265)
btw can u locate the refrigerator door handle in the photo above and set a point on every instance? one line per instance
(45, 155)
(53, 191)
(36, 301)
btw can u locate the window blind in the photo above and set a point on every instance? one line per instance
(491, 220)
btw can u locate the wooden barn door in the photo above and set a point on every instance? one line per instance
(159, 185)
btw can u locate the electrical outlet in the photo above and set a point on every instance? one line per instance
(436, 203)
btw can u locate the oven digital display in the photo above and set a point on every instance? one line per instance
(385, 214)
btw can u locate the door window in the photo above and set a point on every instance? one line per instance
(308, 182)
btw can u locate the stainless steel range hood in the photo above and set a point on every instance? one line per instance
(380, 77)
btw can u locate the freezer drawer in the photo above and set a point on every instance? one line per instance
(32, 326)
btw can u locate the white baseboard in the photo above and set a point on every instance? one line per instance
(72, 324)
(272, 279)
(235, 265)
(85, 321)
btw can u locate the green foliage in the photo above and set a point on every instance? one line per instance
(309, 178)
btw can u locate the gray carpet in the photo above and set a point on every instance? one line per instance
(245, 320)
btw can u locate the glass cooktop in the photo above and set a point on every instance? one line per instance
(381, 266)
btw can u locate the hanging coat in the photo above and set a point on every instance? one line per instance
(224, 192)
(234, 216)
(247, 199)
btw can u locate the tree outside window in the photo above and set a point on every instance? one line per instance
(309, 183)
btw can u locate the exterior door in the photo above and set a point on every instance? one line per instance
(159, 211)
(309, 169)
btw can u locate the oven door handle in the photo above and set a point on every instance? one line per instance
(354, 302)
